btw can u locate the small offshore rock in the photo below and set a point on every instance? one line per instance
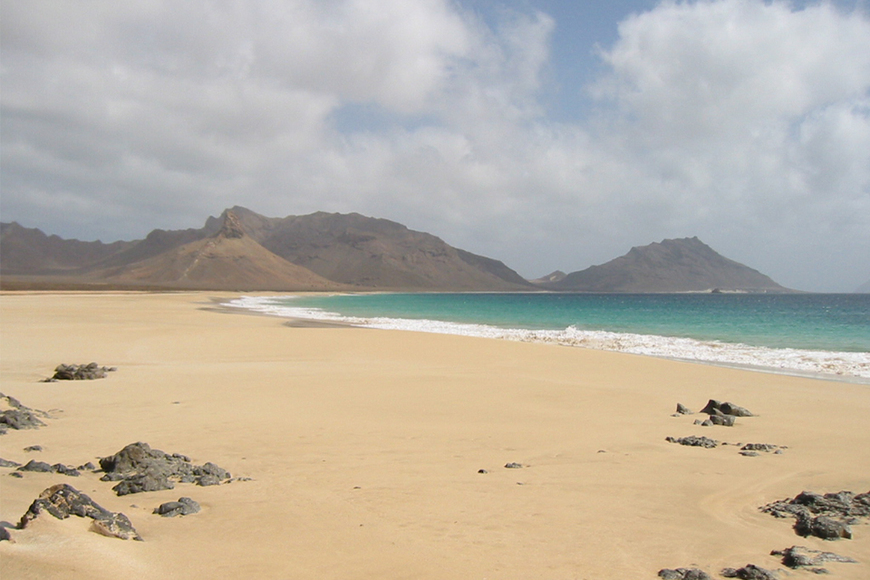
(683, 574)
(62, 501)
(694, 441)
(183, 507)
(513, 465)
(749, 572)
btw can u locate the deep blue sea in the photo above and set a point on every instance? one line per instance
(803, 333)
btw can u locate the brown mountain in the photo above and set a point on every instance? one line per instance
(245, 250)
(30, 251)
(683, 265)
(226, 260)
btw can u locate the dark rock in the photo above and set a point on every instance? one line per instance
(482, 471)
(84, 372)
(65, 470)
(822, 527)
(34, 465)
(719, 418)
(749, 572)
(20, 419)
(735, 410)
(33, 448)
(4, 534)
(140, 468)
(62, 501)
(87, 467)
(149, 481)
(513, 465)
(826, 516)
(766, 447)
(183, 507)
(799, 557)
(683, 410)
(16, 474)
(749, 453)
(725, 409)
(683, 574)
(7, 463)
(694, 441)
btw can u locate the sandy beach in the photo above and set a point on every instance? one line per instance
(363, 448)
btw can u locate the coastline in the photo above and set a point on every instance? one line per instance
(364, 449)
(851, 367)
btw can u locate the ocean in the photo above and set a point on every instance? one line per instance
(817, 334)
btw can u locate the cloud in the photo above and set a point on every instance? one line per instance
(744, 122)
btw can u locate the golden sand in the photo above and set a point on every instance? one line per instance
(364, 448)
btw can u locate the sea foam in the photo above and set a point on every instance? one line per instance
(785, 360)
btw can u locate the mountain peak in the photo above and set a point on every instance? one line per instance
(231, 228)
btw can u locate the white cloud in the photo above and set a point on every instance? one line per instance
(744, 122)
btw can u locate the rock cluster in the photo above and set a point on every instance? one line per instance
(825, 516)
(694, 441)
(183, 507)
(85, 372)
(42, 466)
(62, 501)
(749, 572)
(683, 574)
(139, 468)
(719, 413)
(801, 557)
(14, 415)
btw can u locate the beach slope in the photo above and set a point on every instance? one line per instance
(381, 454)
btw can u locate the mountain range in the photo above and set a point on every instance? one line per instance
(243, 250)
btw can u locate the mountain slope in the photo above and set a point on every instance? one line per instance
(682, 265)
(30, 251)
(376, 253)
(227, 260)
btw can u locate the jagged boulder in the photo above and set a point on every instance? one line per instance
(139, 468)
(84, 372)
(694, 441)
(725, 408)
(14, 415)
(749, 572)
(802, 557)
(683, 574)
(183, 507)
(62, 501)
(825, 516)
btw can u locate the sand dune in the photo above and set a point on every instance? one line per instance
(364, 448)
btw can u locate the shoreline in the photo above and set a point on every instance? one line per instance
(364, 450)
(552, 337)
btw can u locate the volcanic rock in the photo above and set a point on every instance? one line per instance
(826, 516)
(62, 501)
(694, 441)
(800, 557)
(725, 409)
(84, 372)
(683, 574)
(183, 507)
(749, 572)
(140, 468)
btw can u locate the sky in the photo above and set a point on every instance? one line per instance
(549, 134)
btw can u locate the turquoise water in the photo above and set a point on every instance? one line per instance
(832, 322)
(820, 334)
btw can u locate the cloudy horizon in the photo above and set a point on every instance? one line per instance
(541, 133)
